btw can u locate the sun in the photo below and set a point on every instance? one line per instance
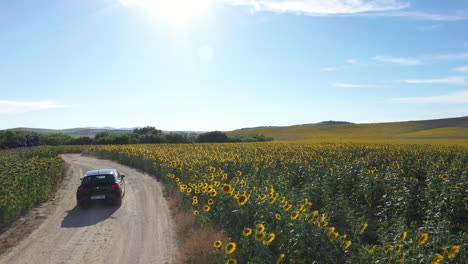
(176, 12)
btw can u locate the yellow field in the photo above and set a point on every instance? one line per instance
(328, 203)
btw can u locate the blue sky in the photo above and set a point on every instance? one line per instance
(223, 65)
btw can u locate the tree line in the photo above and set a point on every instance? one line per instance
(145, 135)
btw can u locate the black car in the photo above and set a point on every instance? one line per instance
(101, 185)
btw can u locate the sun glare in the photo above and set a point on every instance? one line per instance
(177, 12)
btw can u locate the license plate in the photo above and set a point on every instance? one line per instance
(98, 197)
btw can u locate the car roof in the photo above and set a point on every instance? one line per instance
(101, 172)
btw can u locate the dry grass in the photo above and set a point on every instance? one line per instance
(195, 242)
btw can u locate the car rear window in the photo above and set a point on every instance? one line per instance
(98, 180)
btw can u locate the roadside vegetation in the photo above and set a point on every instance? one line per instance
(28, 176)
(328, 203)
(146, 135)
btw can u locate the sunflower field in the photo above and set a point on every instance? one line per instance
(28, 176)
(319, 203)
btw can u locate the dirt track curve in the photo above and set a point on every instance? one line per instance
(140, 231)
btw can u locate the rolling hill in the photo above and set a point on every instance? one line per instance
(450, 128)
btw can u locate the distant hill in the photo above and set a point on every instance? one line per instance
(446, 122)
(331, 122)
(449, 128)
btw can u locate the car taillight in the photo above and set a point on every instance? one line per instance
(80, 188)
(115, 185)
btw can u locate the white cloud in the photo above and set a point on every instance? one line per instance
(455, 97)
(384, 8)
(23, 107)
(349, 85)
(447, 80)
(351, 61)
(425, 16)
(452, 56)
(320, 7)
(462, 69)
(400, 60)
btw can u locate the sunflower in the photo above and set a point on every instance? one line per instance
(331, 229)
(295, 215)
(458, 185)
(260, 228)
(399, 248)
(423, 238)
(280, 259)
(278, 216)
(347, 244)
(453, 252)
(444, 176)
(388, 249)
(363, 228)
(231, 261)
(287, 207)
(334, 236)
(401, 258)
(196, 212)
(272, 200)
(218, 244)
(243, 199)
(227, 189)
(437, 259)
(372, 249)
(230, 248)
(404, 235)
(210, 202)
(247, 232)
(206, 208)
(323, 217)
(269, 239)
(314, 214)
(259, 236)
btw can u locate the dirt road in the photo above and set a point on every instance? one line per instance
(140, 231)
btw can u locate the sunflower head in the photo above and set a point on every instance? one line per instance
(231, 261)
(404, 235)
(206, 208)
(259, 236)
(231, 247)
(437, 259)
(269, 239)
(218, 244)
(453, 252)
(372, 249)
(243, 199)
(260, 228)
(423, 238)
(227, 189)
(247, 232)
(347, 244)
(363, 228)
